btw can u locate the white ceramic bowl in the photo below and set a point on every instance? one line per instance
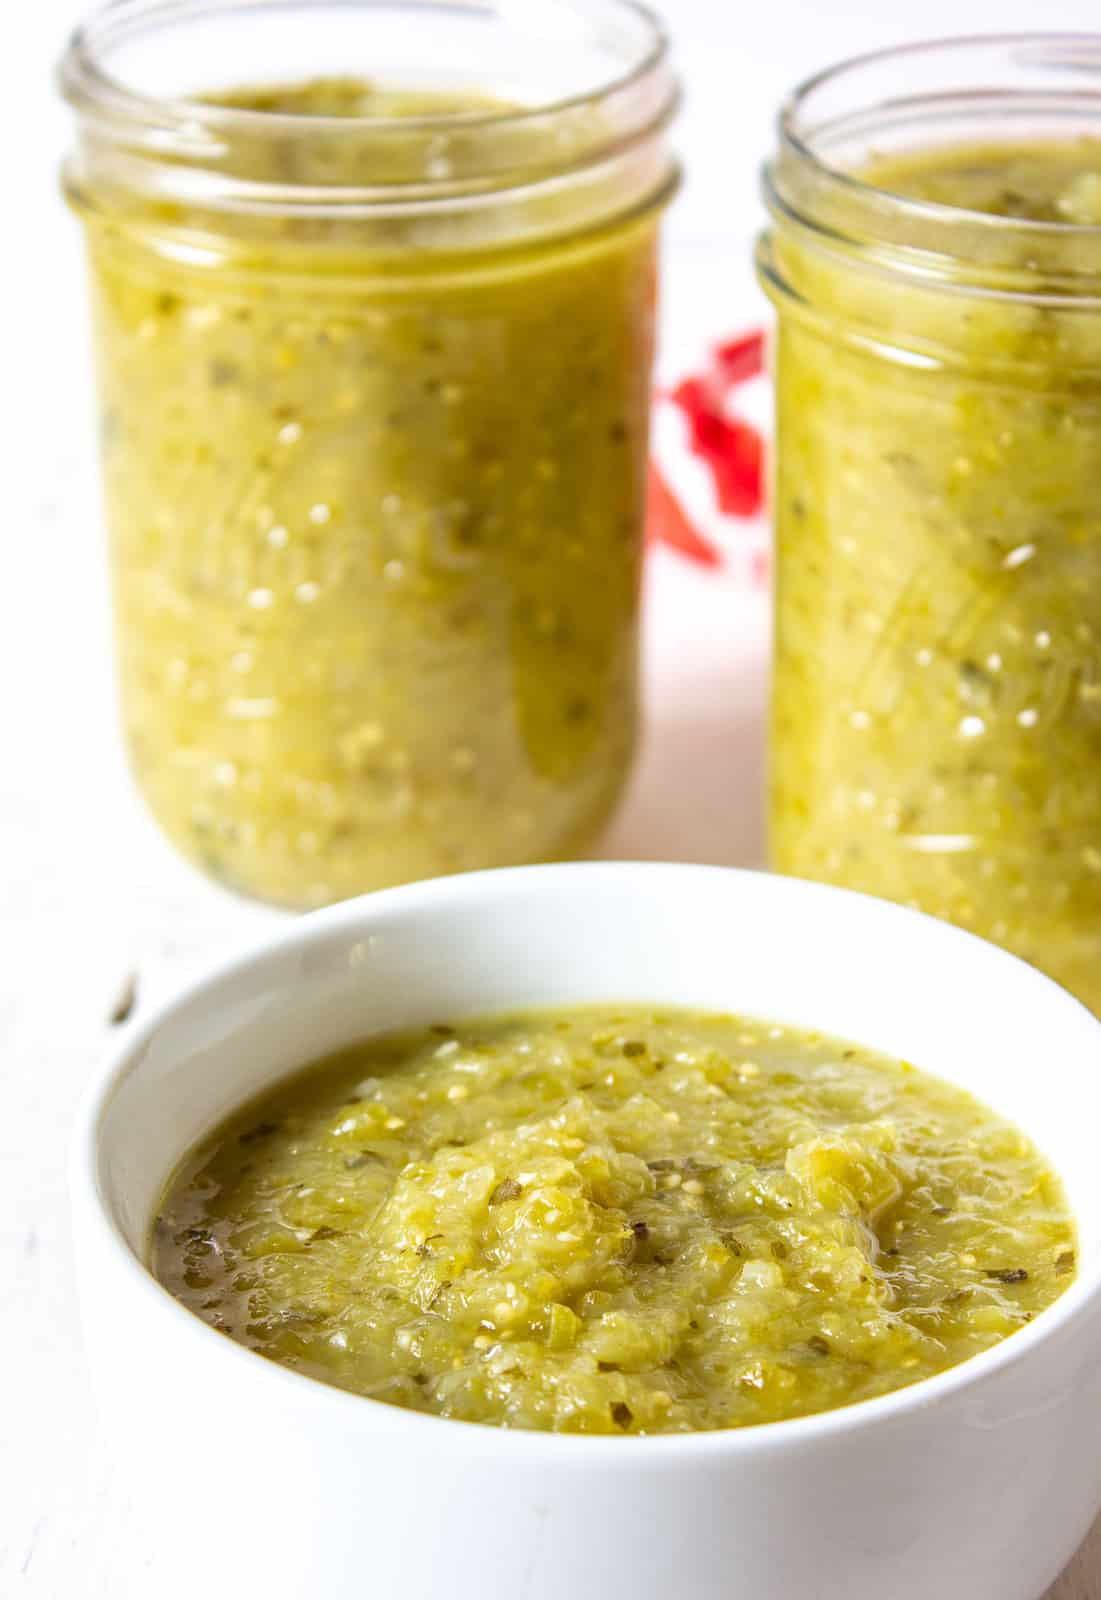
(975, 1485)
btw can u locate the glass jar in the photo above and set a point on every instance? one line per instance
(374, 365)
(936, 704)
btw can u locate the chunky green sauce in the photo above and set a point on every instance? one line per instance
(936, 725)
(616, 1221)
(375, 511)
(1031, 182)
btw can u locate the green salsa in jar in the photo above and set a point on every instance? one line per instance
(374, 364)
(936, 712)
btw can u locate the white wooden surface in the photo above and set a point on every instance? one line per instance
(87, 891)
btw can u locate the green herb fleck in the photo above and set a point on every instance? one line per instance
(262, 1130)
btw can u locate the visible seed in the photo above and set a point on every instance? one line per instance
(125, 1001)
(197, 1235)
(507, 1189)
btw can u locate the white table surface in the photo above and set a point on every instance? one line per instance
(87, 890)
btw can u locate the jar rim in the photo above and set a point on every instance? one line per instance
(80, 70)
(640, 96)
(1055, 49)
(946, 93)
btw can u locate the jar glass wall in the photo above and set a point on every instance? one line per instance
(935, 260)
(373, 289)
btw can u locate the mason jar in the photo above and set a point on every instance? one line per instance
(934, 256)
(373, 290)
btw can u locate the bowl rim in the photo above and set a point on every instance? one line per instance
(89, 1202)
